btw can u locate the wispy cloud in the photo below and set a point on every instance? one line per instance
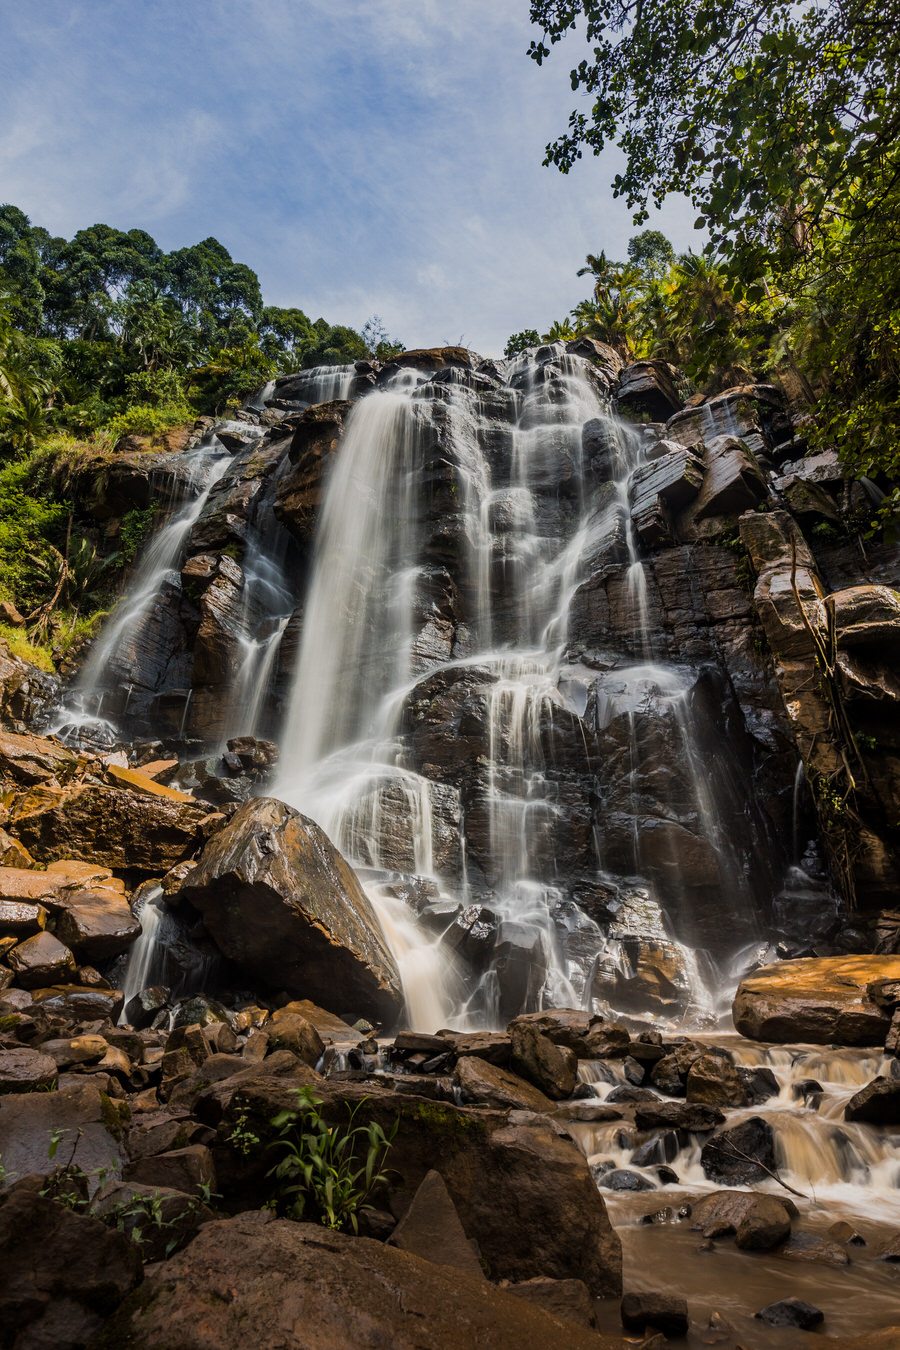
(366, 157)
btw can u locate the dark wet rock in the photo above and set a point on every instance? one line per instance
(488, 1085)
(95, 924)
(568, 1027)
(25, 1070)
(662, 1147)
(627, 1092)
(802, 1246)
(41, 960)
(697, 1119)
(667, 1075)
(281, 902)
(183, 1169)
(431, 1229)
(759, 1083)
(647, 390)
(492, 1046)
(623, 1179)
(878, 1103)
(633, 1071)
(791, 1312)
(842, 1231)
(758, 1222)
(79, 1003)
(18, 919)
(63, 1272)
(27, 760)
(551, 1068)
(607, 1040)
(254, 1270)
(741, 1154)
(823, 1000)
(715, 1081)
(663, 1312)
(660, 489)
(317, 435)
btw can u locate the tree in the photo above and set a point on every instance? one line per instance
(520, 342)
(781, 122)
(651, 252)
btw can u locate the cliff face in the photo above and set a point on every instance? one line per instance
(624, 624)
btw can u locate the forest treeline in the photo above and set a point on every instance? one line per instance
(102, 335)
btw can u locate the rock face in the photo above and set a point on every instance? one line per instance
(281, 902)
(303, 1288)
(820, 1000)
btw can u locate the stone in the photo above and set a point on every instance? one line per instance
(24, 1070)
(819, 999)
(63, 1272)
(96, 924)
(696, 1118)
(791, 1312)
(889, 1250)
(12, 854)
(662, 488)
(494, 1047)
(91, 1127)
(878, 1103)
(289, 1030)
(300, 1285)
(664, 1312)
(281, 902)
(430, 1228)
(183, 1169)
(551, 1068)
(622, 1179)
(647, 390)
(497, 1166)
(112, 826)
(21, 919)
(34, 759)
(759, 1223)
(740, 1154)
(842, 1231)
(569, 1300)
(79, 1003)
(715, 1081)
(488, 1085)
(75, 1050)
(802, 1246)
(156, 1218)
(40, 960)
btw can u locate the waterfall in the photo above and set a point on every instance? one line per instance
(114, 655)
(460, 521)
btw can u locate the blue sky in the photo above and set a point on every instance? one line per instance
(362, 156)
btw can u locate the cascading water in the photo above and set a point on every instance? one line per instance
(100, 694)
(459, 522)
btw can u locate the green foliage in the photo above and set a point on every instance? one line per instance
(32, 524)
(136, 525)
(241, 1137)
(781, 123)
(323, 1171)
(519, 342)
(145, 420)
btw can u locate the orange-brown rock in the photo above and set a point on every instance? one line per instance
(138, 780)
(34, 759)
(822, 1000)
(40, 960)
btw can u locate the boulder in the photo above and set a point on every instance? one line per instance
(715, 1081)
(333, 1030)
(20, 919)
(300, 1287)
(95, 924)
(63, 1272)
(569, 1300)
(697, 1118)
(758, 1222)
(91, 1126)
(865, 616)
(27, 760)
(430, 1228)
(819, 999)
(488, 1085)
(281, 902)
(663, 1312)
(156, 1218)
(25, 1070)
(646, 390)
(498, 1167)
(79, 1003)
(791, 1312)
(741, 1154)
(289, 1030)
(40, 960)
(878, 1103)
(551, 1068)
(812, 1247)
(662, 488)
(182, 1169)
(317, 435)
(113, 826)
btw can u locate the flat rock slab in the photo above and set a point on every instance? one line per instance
(430, 1228)
(822, 1000)
(24, 1070)
(299, 1287)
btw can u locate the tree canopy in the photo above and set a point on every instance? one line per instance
(780, 121)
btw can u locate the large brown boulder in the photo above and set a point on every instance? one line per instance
(820, 999)
(281, 902)
(63, 1273)
(113, 826)
(521, 1186)
(33, 759)
(298, 1287)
